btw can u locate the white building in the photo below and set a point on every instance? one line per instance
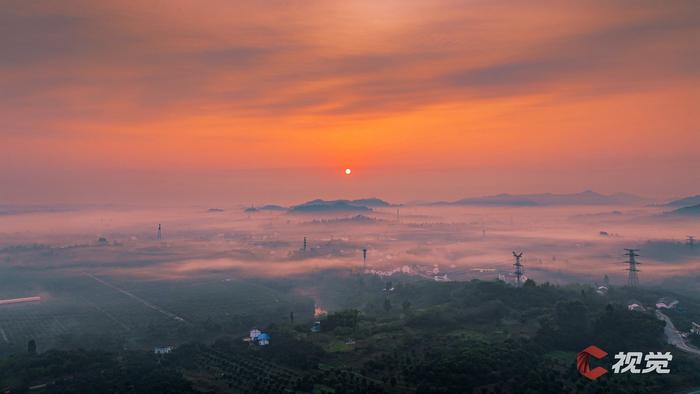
(695, 329)
(254, 333)
(162, 350)
(666, 303)
(440, 277)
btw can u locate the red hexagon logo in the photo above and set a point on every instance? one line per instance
(583, 362)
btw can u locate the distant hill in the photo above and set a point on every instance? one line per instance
(272, 207)
(322, 206)
(693, 210)
(357, 219)
(269, 207)
(584, 198)
(371, 202)
(684, 202)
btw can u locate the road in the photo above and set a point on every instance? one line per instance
(674, 337)
(139, 299)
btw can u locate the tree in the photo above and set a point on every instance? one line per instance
(31, 346)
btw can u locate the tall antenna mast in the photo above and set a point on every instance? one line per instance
(304, 248)
(632, 278)
(691, 241)
(518, 268)
(159, 235)
(364, 258)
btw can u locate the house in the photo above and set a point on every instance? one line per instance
(602, 290)
(695, 328)
(635, 307)
(254, 333)
(316, 327)
(162, 350)
(666, 303)
(440, 277)
(263, 339)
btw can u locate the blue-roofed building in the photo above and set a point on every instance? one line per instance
(263, 339)
(254, 333)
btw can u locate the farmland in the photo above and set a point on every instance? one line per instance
(86, 310)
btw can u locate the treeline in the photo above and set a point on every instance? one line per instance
(80, 371)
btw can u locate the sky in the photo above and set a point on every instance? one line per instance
(253, 102)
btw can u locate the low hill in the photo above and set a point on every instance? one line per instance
(693, 210)
(371, 202)
(357, 219)
(546, 199)
(684, 202)
(323, 206)
(269, 207)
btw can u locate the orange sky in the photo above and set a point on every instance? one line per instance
(270, 101)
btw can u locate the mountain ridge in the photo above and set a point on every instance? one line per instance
(587, 197)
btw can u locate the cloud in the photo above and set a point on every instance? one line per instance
(97, 79)
(145, 61)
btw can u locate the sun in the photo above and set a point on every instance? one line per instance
(348, 171)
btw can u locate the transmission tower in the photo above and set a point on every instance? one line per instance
(364, 258)
(518, 268)
(159, 236)
(304, 247)
(691, 241)
(632, 278)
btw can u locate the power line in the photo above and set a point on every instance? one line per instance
(632, 277)
(518, 268)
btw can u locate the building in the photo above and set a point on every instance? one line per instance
(162, 350)
(635, 307)
(695, 328)
(440, 277)
(263, 339)
(20, 300)
(316, 327)
(666, 303)
(254, 333)
(602, 290)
